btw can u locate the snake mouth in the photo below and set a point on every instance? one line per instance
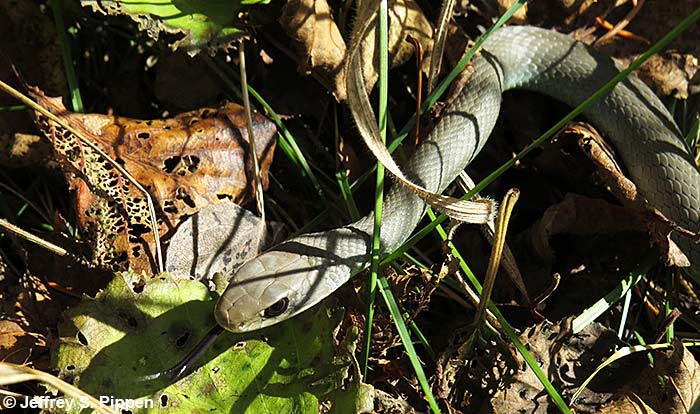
(222, 317)
(224, 320)
(240, 313)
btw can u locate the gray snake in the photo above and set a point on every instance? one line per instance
(300, 272)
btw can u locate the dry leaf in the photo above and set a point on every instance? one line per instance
(568, 359)
(603, 157)
(580, 215)
(660, 229)
(670, 386)
(405, 19)
(319, 44)
(321, 48)
(219, 238)
(607, 167)
(191, 160)
(670, 74)
(187, 162)
(16, 345)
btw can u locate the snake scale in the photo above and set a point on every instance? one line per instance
(300, 272)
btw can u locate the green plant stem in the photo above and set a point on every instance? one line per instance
(73, 85)
(382, 22)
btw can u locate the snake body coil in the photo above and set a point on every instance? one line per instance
(300, 272)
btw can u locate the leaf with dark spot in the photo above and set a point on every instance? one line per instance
(186, 163)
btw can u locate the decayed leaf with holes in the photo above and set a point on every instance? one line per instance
(139, 327)
(186, 162)
(503, 383)
(191, 160)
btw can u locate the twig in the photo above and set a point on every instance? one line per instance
(259, 200)
(11, 228)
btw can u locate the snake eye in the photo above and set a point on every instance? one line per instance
(277, 308)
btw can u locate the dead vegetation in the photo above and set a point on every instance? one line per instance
(168, 119)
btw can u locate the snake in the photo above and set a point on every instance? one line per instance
(300, 272)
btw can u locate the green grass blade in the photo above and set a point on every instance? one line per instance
(287, 142)
(342, 178)
(375, 278)
(13, 108)
(592, 313)
(405, 336)
(346, 194)
(291, 143)
(382, 30)
(423, 340)
(73, 85)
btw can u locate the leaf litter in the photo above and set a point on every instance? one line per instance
(187, 162)
(219, 239)
(140, 325)
(553, 346)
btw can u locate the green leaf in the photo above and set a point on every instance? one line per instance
(108, 344)
(204, 23)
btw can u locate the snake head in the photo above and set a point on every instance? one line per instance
(266, 290)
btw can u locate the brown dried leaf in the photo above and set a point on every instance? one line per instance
(319, 44)
(603, 157)
(671, 73)
(111, 211)
(405, 19)
(321, 48)
(580, 215)
(186, 162)
(192, 160)
(670, 386)
(568, 359)
(16, 345)
(660, 229)
(27, 308)
(219, 238)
